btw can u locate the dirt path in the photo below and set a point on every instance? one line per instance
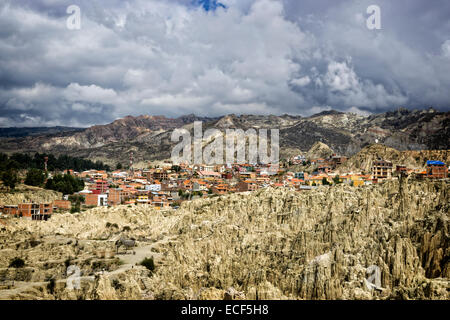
(129, 259)
(140, 253)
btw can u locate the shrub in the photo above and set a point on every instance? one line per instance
(148, 263)
(116, 284)
(17, 263)
(337, 180)
(51, 285)
(76, 208)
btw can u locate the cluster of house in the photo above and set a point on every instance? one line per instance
(169, 185)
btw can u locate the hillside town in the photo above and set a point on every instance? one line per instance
(166, 186)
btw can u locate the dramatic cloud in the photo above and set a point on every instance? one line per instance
(217, 57)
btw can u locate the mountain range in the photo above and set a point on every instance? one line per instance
(149, 137)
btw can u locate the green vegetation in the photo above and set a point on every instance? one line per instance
(325, 181)
(20, 161)
(75, 208)
(17, 263)
(35, 177)
(66, 184)
(148, 263)
(76, 201)
(337, 180)
(9, 178)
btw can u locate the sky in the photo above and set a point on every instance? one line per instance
(218, 57)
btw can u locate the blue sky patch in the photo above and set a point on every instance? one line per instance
(209, 5)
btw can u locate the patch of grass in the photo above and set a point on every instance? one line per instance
(98, 265)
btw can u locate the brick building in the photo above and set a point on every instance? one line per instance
(117, 196)
(62, 204)
(247, 185)
(101, 186)
(35, 211)
(381, 169)
(436, 170)
(96, 200)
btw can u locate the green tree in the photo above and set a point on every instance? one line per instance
(118, 166)
(66, 184)
(9, 178)
(325, 181)
(35, 177)
(337, 179)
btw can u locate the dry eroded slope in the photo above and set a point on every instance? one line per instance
(272, 244)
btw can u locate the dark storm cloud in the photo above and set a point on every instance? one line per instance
(254, 56)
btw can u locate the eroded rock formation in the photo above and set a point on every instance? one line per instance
(271, 244)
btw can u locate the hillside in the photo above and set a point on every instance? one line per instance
(412, 159)
(271, 244)
(148, 137)
(34, 131)
(319, 150)
(24, 193)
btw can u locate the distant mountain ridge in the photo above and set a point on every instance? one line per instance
(15, 132)
(149, 137)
